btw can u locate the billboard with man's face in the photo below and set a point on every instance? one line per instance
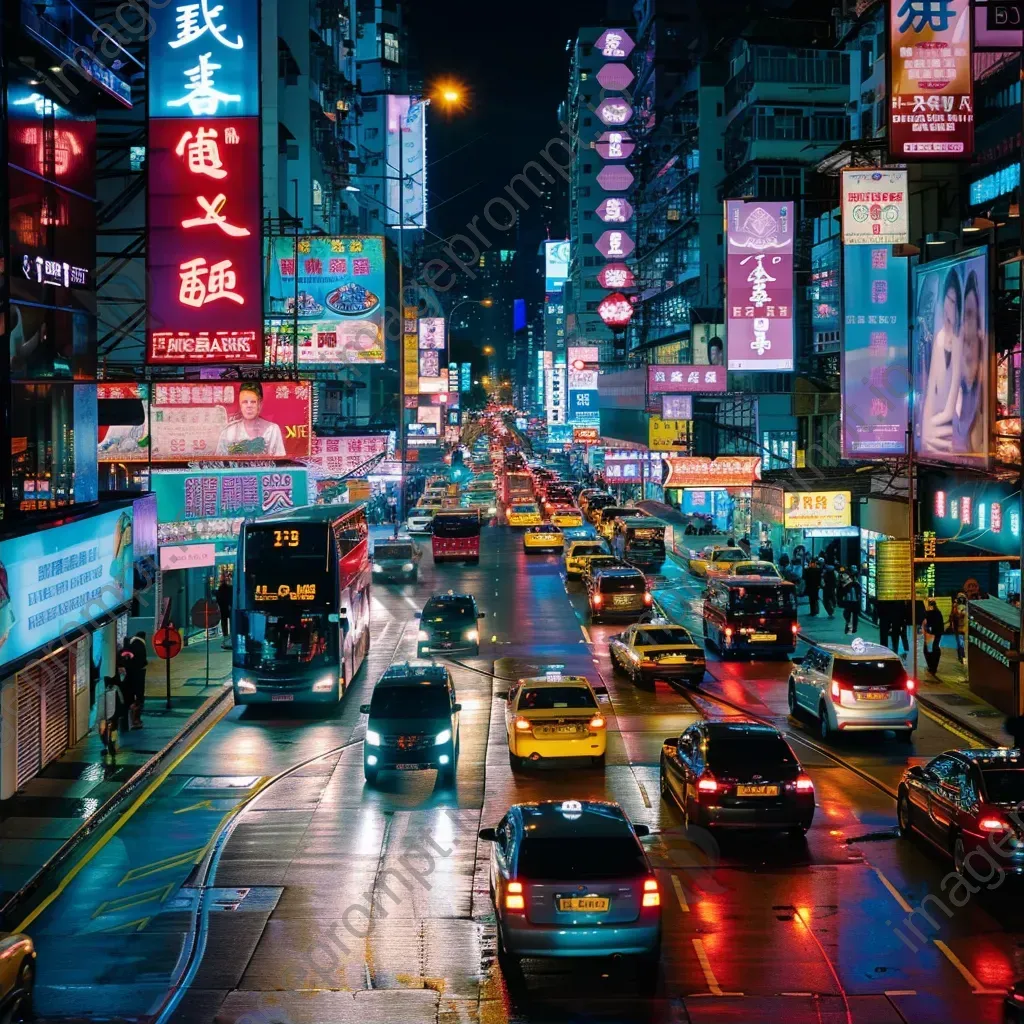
(952, 352)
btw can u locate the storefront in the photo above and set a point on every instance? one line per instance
(200, 515)
(65, 595)
(715, 492)
(632, 474)
(767, 514)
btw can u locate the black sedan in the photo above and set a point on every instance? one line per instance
(738, 774)
(966, 800)
(448, 625)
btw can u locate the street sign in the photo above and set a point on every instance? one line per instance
(167, 643)
(205, 613)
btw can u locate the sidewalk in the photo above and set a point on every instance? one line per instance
(948, 694)
(66, 796)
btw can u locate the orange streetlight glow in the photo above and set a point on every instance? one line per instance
(450, 94)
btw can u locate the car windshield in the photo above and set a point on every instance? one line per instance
(659, 637)
(588, 549)
(870, 672)
(623, 584)
(524, 509)
(761, 600)
(756, 569)
(548, 698)
(394, 551)
(463, 525)
(646, 537)
(438, 611)
(580, 858)
(728, 555)
(1004, 785)
(613, 512)
(414, 701)
(737, 749)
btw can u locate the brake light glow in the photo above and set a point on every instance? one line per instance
(993, 825)
(597, 722)
(835, 690)
(596, 600)
(911, 685)
(648, 599)
(728, 632)
(514, 899)
(652, 897)
(522, 724)
(804, 784)
(795, 628)
(707, 784)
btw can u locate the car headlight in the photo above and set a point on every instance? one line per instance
(473, 634)
(377, 568)
(442, 737)
(373, 737)
(324, 685)
(245, 686)
(492, 511)
(422, 635)
(408, 567)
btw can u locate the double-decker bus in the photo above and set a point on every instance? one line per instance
(456, 536)
(301, 619)
(516, 486)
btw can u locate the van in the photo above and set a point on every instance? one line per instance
(618, 594)
(639, 540)
(750, 615)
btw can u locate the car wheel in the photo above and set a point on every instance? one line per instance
(510, 965)
(906, 736)
(824, 729)
(791, 699)
(515, 763)
(617, 669)
(370, 774)
(22, 1009)
(959, 851)
(598, 762)
(903, 818)
(446, 775)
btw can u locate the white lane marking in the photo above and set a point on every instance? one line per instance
(804, 995)
(902, 992)
(643, 792)
(680, 895)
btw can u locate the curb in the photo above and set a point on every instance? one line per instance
(21, 902)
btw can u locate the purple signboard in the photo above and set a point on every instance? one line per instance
(759, 285)
(615, 245)
(875, 372)
(614, 146)
(615, 178)
(616, 276)
(681, 379)
(615, 211)
(615, 77)
(615, 43)
(615, 112)
(1005, 33)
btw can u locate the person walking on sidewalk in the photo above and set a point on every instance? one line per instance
(112, 708)
(134, 658)
(887, 624)
(224, 595)
(812, 585)
(899, 624)
(958, 624)
(849, 596)
(932, 629)
(828, 589)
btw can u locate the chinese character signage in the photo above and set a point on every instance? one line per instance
(52, 581)
(616, 276)
(724, 471)
(817, 509)
(236, 420)
(406, 149)
(335, 457)
(204, 189)
(666, 434)
(432, 333)
(622, 467)
(677, 407)
(340, 296)
(465, 378)
(951, 357)
(669, 378)
(614, 211)
(931, 106)
(875, 208)
(554, 394)
(615, 44)
(557, 256)
(759, 285)
(984, 514)
(615, 145)
(875, 371)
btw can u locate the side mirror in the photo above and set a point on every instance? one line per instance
(671, 741)
(457, 707)
(502, 695)
(642, 831)
(417, 615)
(797, 661)
(364, 709)
(488, 835)
(482, 615)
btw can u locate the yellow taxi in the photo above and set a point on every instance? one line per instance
(579, 553)
(17, 976)
(523, 513)
(716, 560)
(542, 538)
(566, 515)
(554, 716)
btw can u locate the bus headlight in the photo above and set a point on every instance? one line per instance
(373, 737)
(377, 568)
(442, 737)
(245, 686)
(324, 685)
(473, 635)
(422, 636)
(408, 567)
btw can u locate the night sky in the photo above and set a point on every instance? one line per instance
(514, 61)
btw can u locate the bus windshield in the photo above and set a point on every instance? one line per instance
(456, 526)
(280, 644)
(646, 537)
(762, 600)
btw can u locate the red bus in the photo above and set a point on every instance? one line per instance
(516, 486)
(456, 536)
(301, 625)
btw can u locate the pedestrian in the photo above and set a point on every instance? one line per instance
(731, 542)
(110, 714)
(932, 629)
(745, 543)
(766, 552)
(224, 596)
(134, 659)
(849, 596)
(958, 625)
(886, 627)
(901, 622)
(812, 585)
(828, 589)
(783, 563)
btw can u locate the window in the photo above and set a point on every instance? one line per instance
(550, 698)
(588, 168)
(570, 857)
(588, 239)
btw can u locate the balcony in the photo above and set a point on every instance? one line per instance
(767, 74)
(783, 135)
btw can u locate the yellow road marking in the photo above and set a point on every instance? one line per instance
(894, 892)
(136, 899)
(586, 634)
(129, 926)
(680, 895)
(203, 805)
(123, 820)
(176, 861)
(709, 974)
(970, 740)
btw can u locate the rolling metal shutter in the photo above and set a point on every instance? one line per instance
(30, 726)
(44, 714)
(56, 706)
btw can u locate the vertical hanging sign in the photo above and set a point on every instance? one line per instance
(205, 201)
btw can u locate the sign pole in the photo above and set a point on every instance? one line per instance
(208, 589)
(167, 670)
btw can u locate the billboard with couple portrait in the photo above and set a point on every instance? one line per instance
(952, 357)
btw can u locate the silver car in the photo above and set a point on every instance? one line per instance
(854, 687)
(421, 520)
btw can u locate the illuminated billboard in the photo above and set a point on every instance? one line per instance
(671, 378)
(556, 265)
(432, 334)
(759, 285)
(875, 207)
(406, 159)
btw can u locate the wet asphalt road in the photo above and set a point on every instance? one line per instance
(334, 901)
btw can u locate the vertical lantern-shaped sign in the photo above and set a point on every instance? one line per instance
(205, 184)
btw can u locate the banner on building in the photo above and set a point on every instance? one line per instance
(759, 285)
(982, 513)
(337, 457)
(557, 256)
(724, 471)
(875, 208)
(663, 434)
(432, 333)
(677, 407)
(931, 81)
(667, 378)
(818, 509)
(340, 291)
(875, 377)
(406, 159)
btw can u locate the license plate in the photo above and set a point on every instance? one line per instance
(872, 696)
(567, 728)
(757, 790)
(673, 660)
(281, 698)
(598, 904)
(622, 599)
(763, 636)
(408, 767)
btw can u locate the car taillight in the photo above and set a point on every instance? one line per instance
(597, 722)
(523, 724)
(728, 632)
(707, 784)
(911, 685)
(795, 628)
(648, 598)
(993, 825)
(804, 784)
(596, 600)
(835, 690)
(652, 897)
(514, 899)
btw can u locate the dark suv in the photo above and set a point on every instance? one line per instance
(448, 625)
(413, 723)
(618, 593)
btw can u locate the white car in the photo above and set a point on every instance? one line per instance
(854, 687)
(421, 520)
